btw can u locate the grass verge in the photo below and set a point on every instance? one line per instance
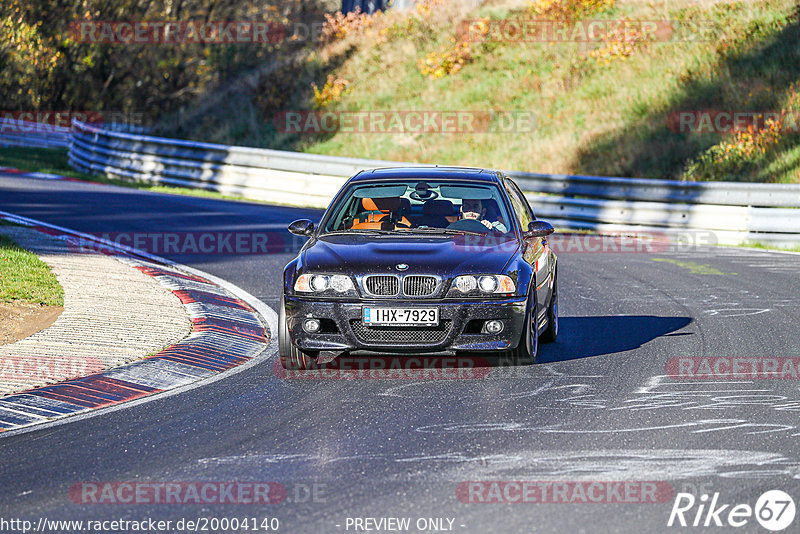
(24, 277)
(606, 106)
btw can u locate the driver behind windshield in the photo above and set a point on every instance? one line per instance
(474, 209)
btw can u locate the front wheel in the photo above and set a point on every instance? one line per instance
(292, 357)
(528, 346)
(551, 333)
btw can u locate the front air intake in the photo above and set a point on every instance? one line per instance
(382, 285)
(419, 285)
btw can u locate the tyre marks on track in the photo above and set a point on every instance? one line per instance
(536, 464)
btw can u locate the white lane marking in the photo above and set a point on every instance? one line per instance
(735, 312)
(6, 412)
(202, 309)
(41, 404)
(159, 374)
(715, 424)
(267, 313)
(174, 285)
(229, 343)
(612, 464)
(42, 176)
(773, 250)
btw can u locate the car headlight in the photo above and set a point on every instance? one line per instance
(329, 284)
(482, 285)
(488, 284)
(465, 284)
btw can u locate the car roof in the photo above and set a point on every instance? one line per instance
(430, 173)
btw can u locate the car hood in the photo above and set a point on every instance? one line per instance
(445, 256)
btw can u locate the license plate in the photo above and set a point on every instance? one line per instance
(401, 316)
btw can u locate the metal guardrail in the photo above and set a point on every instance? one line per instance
(23, 133)
(734, 212)
(648, 190)
(33, 134)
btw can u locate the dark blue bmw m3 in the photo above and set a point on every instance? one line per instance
(421, 260)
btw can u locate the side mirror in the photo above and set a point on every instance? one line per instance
(301, 227)
(539, 229)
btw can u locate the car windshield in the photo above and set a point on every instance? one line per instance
(420, 206)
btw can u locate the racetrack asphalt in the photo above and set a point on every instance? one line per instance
(600, 407)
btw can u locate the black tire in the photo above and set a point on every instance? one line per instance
(551, 333)
(292, 357)
(528, 347)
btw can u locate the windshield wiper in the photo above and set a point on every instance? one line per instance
(360, 231)
(446, 231)
(430, 230)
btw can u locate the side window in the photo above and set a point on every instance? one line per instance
(521, 209)
(522, 198)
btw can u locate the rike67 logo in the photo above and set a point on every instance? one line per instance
(774, 510)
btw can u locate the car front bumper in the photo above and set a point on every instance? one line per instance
(458, 330)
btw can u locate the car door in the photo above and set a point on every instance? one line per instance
(536, 250)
